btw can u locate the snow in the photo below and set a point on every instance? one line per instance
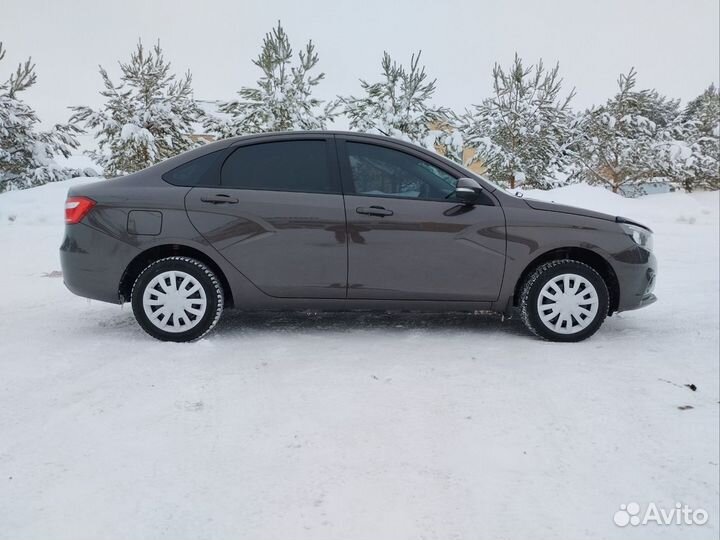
(132, 132)
(356, 426)
(79, 161)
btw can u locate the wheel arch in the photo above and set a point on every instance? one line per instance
(594, 260)
(141, 261)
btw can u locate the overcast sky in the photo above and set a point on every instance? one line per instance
(673, 44)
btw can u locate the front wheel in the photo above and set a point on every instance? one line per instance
(564, 300)
(177, 299)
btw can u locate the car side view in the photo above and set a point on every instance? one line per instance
(343, 221)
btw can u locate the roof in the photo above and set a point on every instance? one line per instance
(323, 132)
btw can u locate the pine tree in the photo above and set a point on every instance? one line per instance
(399, 106)
(701, 130)
(27, 154)
(633, 139)
(146, 118)
(522, 133)
(283, 98)
(448, 140)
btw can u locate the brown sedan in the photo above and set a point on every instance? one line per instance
(343, 221)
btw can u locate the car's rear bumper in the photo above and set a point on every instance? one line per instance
(93, 262)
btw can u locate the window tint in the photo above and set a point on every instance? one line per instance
(280, 166)
(202, 171)
(381, 171)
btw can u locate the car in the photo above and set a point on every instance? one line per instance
(340, 221)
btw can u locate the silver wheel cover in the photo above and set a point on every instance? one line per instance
(174, 301)
(567, 304)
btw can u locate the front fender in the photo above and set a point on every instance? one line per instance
(532, 235)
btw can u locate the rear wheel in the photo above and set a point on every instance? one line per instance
(564, 300)
(177, 299)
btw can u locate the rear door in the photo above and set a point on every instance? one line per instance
(277, 215)
(407, 238)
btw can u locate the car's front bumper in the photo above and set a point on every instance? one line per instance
(646, 300)
(636, 281)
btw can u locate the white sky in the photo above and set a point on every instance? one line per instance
(673, 44)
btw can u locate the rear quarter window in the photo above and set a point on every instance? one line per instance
(201, 171)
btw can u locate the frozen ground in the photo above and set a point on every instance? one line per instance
(355, 427)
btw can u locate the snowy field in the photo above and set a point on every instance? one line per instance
(356, 426)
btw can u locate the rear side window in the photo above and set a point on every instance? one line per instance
(281, 166)
(202, 171)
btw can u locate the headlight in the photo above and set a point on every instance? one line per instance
(642, 237)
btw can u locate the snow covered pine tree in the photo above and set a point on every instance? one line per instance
(148, 117)
(26, 154)
(522, 133)
(633, 139)
(701, 128)
(283, 99)
(399, 106)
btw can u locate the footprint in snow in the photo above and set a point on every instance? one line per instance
(189, 405)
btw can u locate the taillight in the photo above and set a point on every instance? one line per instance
(76, 208)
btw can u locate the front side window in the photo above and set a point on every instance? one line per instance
(384, 172)
(280, 166)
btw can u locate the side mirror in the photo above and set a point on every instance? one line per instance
(467, 191)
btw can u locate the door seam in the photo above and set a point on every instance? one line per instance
(347, 236)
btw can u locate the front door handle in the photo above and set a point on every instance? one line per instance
(219, 198)
(374, 211)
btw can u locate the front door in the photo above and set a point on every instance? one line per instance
(277, 215)
(407, 238)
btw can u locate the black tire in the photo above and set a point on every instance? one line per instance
(542, 275)
(213, 297)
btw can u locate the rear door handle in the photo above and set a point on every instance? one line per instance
(219, 198)
(374, 211)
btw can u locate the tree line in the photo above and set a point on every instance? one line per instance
(525, 133)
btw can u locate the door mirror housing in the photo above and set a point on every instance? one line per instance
(467, 191)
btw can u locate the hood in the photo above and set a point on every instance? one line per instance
(561, 208)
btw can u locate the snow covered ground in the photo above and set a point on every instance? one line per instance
(356, 426)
